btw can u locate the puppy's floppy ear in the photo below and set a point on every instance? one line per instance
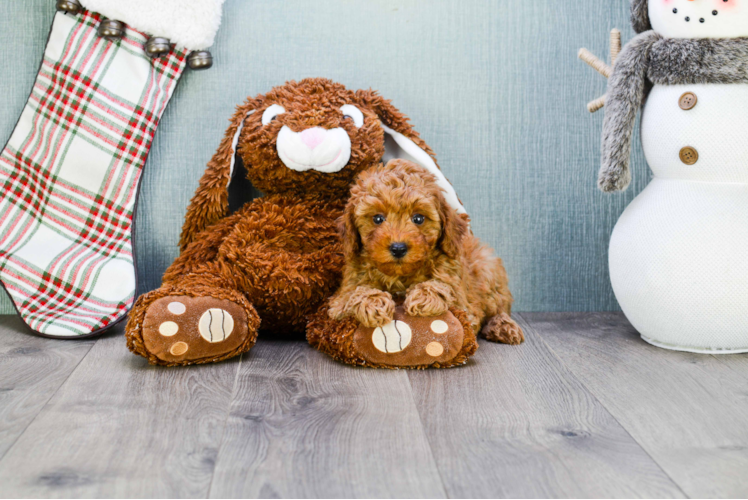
(349, 232)
(401, 141)
(455, 227)
(210, 202)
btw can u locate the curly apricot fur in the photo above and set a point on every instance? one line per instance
(371, 307)
(502, 328)
(430, 298)
(445, 266)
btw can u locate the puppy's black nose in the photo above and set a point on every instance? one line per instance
(398, 250)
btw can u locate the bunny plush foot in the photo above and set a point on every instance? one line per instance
(183, 330)
(405, 341)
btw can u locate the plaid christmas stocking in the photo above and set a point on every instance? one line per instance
(71, 169)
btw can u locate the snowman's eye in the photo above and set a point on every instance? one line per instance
(714, 12)
(272, 113)
(675, 11)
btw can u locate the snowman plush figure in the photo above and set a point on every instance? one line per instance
(679, 253)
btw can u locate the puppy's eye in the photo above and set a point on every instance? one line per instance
(418, 219)
(355, 114)
(272, 113)
(378, 219)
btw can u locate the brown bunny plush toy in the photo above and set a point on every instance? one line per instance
(273, 262)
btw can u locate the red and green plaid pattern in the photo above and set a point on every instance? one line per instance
(70, 175)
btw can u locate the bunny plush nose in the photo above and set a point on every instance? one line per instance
(316, 148)
(313, 137)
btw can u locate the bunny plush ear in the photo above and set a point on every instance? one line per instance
(211, 200)
(401, 141)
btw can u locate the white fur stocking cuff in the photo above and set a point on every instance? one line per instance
(190, 24)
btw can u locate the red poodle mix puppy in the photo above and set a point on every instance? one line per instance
(402, 240)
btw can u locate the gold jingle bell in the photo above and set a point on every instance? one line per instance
(157, 46)
(109, 28)
(69, 6)
(200, 59)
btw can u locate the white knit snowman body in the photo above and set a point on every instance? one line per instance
(679, 253)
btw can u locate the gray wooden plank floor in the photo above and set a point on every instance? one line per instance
(583, 409)
(528, 428)
(688, 411)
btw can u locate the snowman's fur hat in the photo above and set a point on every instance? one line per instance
(640, 15)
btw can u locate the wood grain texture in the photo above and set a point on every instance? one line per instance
(688, 411)
(31, 370)
(302, 425)
(583, 409)
(494, 86)
(520, 425)
(121, 428)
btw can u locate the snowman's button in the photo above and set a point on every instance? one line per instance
(688, 101)
(689, 155)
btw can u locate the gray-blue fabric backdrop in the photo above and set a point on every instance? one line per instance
(494, 86)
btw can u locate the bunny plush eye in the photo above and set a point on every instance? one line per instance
(355, 114)
(272, 113)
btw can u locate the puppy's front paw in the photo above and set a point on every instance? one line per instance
(371, 307)
(502, 328)
(430, 298)
(338, 310)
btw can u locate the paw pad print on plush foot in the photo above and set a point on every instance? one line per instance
(411, 340)
(183, 329)
(392, 337)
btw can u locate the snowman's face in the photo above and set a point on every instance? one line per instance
(699, 18)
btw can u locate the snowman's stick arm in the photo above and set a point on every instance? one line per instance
(602, 68)
(615, 45)
(596, 63)
(597, 104)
